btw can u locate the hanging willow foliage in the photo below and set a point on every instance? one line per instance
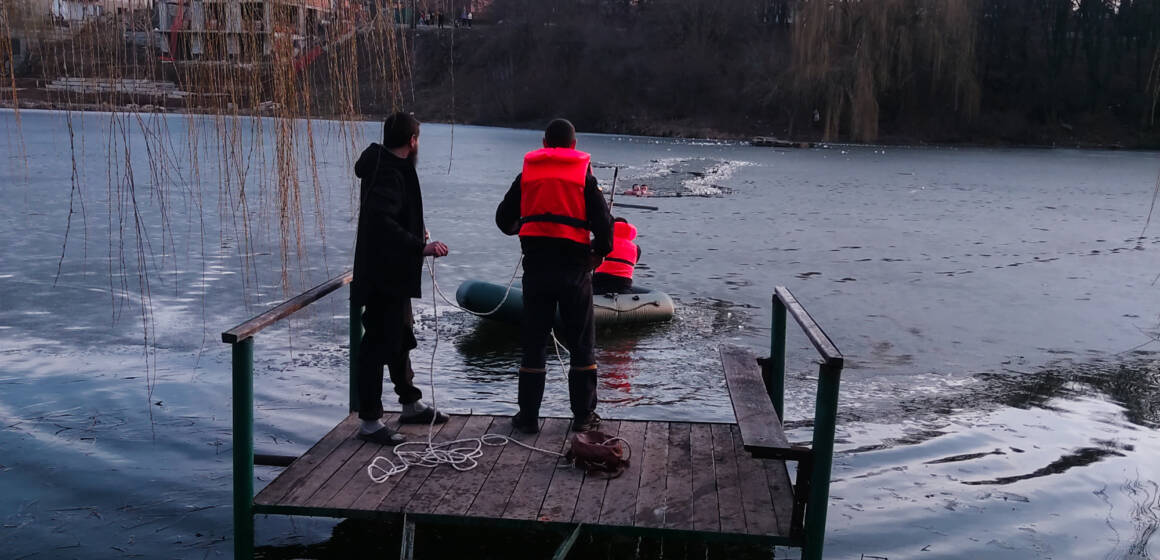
(250, 77)
(850, 54)
(261, 72)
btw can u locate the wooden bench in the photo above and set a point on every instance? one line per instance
(761, 428)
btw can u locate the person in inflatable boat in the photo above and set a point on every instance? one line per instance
(614, 275)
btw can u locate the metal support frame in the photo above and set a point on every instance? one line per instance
(243, 436)
(825, 423)
(241, 339)
(407, 548)
(356, 334)
(775, 372)
(801, 492)
(812, 491)
(566, 546)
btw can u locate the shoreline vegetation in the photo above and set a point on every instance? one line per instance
(676, 131)
(1066, 73)
(1063, 73)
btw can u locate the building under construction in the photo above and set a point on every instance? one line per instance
(238, 30)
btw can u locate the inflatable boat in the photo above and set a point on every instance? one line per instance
(640, 305)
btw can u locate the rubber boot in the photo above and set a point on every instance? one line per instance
(582, 394)
(531, 394)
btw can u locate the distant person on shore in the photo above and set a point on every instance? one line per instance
(614, 275)
(556, 207)
(390, 245)
(440, 17)
(469, 20)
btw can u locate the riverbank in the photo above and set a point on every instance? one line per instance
(991, 131)
(652, 80)
(1109, 138)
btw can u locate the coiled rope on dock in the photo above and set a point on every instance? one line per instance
(461, 454)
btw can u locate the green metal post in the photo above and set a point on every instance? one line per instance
(356, 334)
(776, 384)
(825, 421)
(566, 546)
(243, 429)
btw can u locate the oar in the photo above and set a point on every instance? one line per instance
(612, 197)
(637, 206)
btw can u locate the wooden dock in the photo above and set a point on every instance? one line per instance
(682, 476)
(706, 481)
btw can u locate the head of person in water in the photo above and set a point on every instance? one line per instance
(560, 134)
(401, 136)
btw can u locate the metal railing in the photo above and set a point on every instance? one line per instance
(812, 490)
(241, 338)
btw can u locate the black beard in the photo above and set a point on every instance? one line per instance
(413, 158)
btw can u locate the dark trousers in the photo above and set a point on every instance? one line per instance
(610, 284)
(388, 339)
(548, 286)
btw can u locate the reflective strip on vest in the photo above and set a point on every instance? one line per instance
(552, 195)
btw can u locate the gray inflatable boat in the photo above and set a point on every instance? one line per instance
(640, 305)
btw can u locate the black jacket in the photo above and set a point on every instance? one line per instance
(507, 217)
(388, 253)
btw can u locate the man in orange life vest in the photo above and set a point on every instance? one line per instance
(556, 207)
(614, 275)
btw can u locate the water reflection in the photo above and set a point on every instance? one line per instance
(1002, 463)
(488, 348)
(1133, 384)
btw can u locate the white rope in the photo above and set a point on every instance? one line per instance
(506, 293)
(630, 309)
(460, 454)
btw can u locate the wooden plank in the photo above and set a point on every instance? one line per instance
(286, 308)
(705, 514)
(679, 479)
(777, 477)
(651, 498)
(755, 498)
(429, 496)
(465, 487)
(731, 513)
(533, 484)
(493, 496)
(326, 469)
(619, 507)
(373, 494)
(761, 429)
(411, 481)
(355, 472)
(345, 476)
(574, 496)
(818, 337)
(301, 468)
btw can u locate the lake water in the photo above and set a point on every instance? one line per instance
(996, 307)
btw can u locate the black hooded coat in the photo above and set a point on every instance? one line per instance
(388, 254)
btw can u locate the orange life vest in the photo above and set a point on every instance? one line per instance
(622, 260)
(552, 195)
